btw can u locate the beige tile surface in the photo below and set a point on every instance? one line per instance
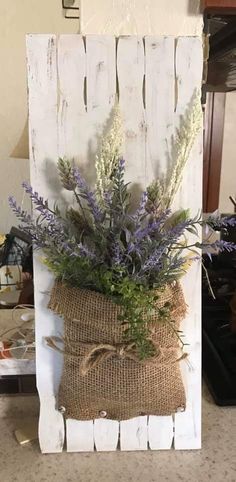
(216, 461)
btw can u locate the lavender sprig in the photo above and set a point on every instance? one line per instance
(117, 255)
(220, 245)
(20, 213)
(153, 261)
(217, 222)
(150, 229)
(141, 210)
(74, 249)
(39, 202)
(88, 195)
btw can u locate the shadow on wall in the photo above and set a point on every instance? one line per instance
(21, 150)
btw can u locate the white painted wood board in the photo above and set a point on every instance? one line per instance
(12, 366)
(72, 84)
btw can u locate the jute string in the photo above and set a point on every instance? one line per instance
(99, 353)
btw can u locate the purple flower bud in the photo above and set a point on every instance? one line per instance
(88, 195)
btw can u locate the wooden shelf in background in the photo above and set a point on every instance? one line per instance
(220, 6)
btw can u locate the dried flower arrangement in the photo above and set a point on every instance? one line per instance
(104, 246)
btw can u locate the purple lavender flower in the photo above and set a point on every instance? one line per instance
(117, 255)
(143, 233)
(228, 221)
(85, 252)
(141, 211)
(173, 234)
(78, 250)
(20, 213)
(88, 195)
(121, 164)
(216, 222)
(38, 201)
(154, 260)
(220, 245)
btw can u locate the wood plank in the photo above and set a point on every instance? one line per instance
(51, 427)
(101, 73)
(160, 101)
(79, 436)
(101, 92)
(106, 435)
(188, 76)
(220, 6)
(72, 144)
(101, 95)
(133, 434)
(160, 106)
(130, 73)
(42, 85)
(160, 432)
(12, 366)
(72, 99)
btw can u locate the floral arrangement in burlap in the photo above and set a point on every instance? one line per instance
(118, 268)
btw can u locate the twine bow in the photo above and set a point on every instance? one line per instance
(99, 353)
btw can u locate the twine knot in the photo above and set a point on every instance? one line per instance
(99, 353)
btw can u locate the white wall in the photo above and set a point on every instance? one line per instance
(17, 18)
(124, 17)
(228, 169)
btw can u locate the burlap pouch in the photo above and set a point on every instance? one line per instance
(101, 375)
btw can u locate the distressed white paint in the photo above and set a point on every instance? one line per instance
(72, 145)
(101, 94)
(42, 82)
(130, 51)
(160, 106)
(66, 119)
(79, 436)
(160, 432)
(141, 17)
(12, 366)
(106, 435)
(133, 434)
(188, 75)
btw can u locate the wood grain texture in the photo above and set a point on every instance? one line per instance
(188, 62)
(160, 107)
(42, 85)
(214, 6)
(130, 52)
(160, 432)
(213, 146)
(134, 434)
(79, 436)
(106, 435)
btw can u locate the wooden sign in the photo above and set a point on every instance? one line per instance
(73, 83)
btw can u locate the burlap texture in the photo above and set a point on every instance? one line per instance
(118, 385)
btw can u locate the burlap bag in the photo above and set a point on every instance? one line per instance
(102, 376)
